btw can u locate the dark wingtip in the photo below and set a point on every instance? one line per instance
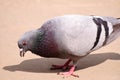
(118, 18)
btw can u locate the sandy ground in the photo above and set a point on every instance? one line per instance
(19, 16)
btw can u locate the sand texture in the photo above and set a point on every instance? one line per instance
(19, 16)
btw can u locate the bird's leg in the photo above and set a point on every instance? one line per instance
(64, 67)
(70, 72)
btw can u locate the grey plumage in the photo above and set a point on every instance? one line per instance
(70, 36)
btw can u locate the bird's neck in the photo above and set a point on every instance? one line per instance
(45, 46)
(38, 42)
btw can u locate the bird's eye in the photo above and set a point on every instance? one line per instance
(24, 43)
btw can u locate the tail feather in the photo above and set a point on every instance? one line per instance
(116, 31)
(118, 20)
(112, 20)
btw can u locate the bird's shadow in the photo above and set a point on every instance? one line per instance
(42, 65)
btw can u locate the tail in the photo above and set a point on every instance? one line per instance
(116, 30)
(112, 20)
(118, 20)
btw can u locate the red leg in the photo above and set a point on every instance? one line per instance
(65, 66)
(70, 72)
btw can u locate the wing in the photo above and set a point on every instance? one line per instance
(78, 34)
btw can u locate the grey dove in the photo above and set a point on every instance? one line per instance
(70, 37)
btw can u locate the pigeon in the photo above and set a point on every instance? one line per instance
(70, 37)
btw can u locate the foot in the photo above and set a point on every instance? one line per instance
(63, 67)
(69, 73)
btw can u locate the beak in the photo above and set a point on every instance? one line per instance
(22, 52)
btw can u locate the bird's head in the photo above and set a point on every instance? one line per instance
(29, 40)
(26, 42)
